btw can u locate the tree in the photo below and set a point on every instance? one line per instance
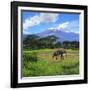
(58, 44)
(30, 42)
(35, 42)
(48, 42)
(71, 44)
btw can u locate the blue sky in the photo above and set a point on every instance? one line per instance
(36, 22)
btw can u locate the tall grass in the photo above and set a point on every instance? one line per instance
(36, 64)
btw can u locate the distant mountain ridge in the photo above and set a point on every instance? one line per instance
(61, 35)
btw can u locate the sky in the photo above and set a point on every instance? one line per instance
(36, 22)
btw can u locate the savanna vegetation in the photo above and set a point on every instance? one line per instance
(34, 42)
(38, 61)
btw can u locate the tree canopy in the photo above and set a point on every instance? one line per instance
(36, 42)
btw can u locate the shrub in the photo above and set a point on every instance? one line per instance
(32, 57)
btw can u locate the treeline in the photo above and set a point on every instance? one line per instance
(35, 42)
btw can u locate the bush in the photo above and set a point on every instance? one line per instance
(32, 57)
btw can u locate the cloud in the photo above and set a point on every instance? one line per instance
(38, 19)
(68, 26)
(74, 26)
(48, 17)
(63, 25)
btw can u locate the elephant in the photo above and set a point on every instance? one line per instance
(59, 52)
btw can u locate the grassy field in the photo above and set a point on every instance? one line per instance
(41, 63)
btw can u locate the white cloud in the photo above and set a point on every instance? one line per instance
(25, 32)
(41, 18)
(35, 20)
(48, 17)
(63, 25)
(68, 26)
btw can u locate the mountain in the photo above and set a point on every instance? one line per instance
(61, 35)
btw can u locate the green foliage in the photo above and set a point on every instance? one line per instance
(33, 42)
(71, 44)
(30, 57)
(40, 63)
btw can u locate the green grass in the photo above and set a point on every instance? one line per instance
(41, 63)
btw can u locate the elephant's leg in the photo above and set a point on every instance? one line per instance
(56, 57)
(62, 57)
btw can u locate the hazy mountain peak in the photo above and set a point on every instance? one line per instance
(62, 35)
